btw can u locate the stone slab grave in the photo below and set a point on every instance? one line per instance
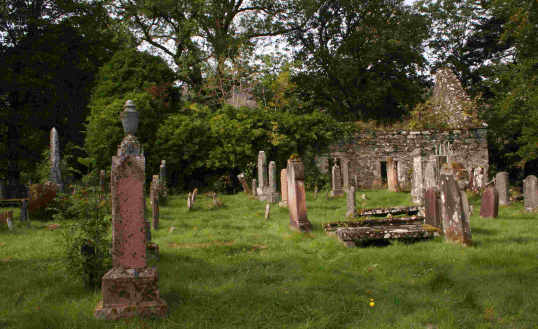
(130, 288)
(387, 227)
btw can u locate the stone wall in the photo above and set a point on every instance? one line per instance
(369, 150)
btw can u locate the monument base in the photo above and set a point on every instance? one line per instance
(130, 292)
(146, 309)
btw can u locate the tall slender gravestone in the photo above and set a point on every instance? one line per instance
(392, 176)
(489, 206)
(155, 202)
(263, 183)
(336, 181)
(130, 288)
(530, 192)
(417, 181)
(430, 177)
(272, 194)
(55, 173)
(345, 173)
(454, 210)
(297, 196)
(350, 202)
(284, 188)
(501, 185)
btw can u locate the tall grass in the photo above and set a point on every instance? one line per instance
(228, 267)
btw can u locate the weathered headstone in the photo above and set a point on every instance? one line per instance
(297, 196)
(243, 180)
(456, 225)
(430, 179)
(272, 195)
(130, 288)
(55, 173)
(155, 202)
(24, 213)
(263, 183)
(471, 179)
(189, 201)
(530, 192)
(432, 207)
(336, 181)
(489, 207)
(345, 173)
(351, 202)
(254, 187)
(417, 181)
(267, 211)
(501, 185)
(284, 188)
(392, 175)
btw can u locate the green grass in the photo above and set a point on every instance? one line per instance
(228, 267)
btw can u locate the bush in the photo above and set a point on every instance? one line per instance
(41, 199)
(87, 219)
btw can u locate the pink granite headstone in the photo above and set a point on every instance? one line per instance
(130, 288)
(297, 196)
(432, 207)
(489, 207)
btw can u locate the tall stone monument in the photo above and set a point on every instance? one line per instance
(55, 173)
(501, 185)
(297, 195)
(284, 188)
(351, 202)
(417, 181)
(263, 182)
(272, 194)
(345, 174)
(130, 288)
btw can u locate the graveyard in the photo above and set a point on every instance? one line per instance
(229, 267)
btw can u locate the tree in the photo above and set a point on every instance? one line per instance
(360, 61)
(196, 34)
(50, 53)
(143, 78)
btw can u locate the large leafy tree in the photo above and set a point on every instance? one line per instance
(196, 35)
(361, 60)
(50, 53)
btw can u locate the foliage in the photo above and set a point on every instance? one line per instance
(41, 199)
(230, 138)
(142, 78)
(359, 59)
(87, 220)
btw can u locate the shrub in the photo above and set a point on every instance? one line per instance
(87, 219)
(41, 197)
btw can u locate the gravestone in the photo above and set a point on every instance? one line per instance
(471, 179)
(55, 173)
(162, 173)
(454, 210)
(530, 192)
(272, 195)
(130, 288)
(155, 202)
(243, 180)
(267, 211)
(189, 201)
(430, 179)
(345, 173)
(350, 202)
(336, 181)
(263, 183)
(501, 185)
(392, 175)
(24, 213)
(489, 207)
(417, 183)
(254, 187)
(432, 207)
(297, 195)
(284, 188)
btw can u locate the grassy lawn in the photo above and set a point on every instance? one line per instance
(228, 267)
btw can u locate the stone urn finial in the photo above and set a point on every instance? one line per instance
(129, 118)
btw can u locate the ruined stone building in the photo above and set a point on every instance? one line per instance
(466, 143)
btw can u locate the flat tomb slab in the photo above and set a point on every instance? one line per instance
(371, 222)
(409, 210)
(350, 234)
